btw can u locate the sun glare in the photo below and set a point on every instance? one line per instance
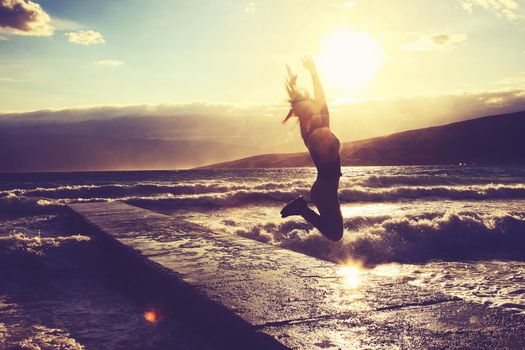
(351, 272)
(348, 59)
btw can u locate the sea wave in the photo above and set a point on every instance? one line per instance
(361, 194)
(21, 243)
(346, 195)
(229, 199)
(408, 239)
(12, 204)
(271, 194)
(427, 180)
(45, 338)
(111, 191)
(371, 183)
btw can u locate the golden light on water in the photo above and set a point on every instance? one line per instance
(387, 270)
(151, 316)
(351, 272)
(349, 59)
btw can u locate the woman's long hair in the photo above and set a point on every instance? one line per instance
(295, 94)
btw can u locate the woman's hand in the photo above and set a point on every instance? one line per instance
(308, 63)
(292, 78)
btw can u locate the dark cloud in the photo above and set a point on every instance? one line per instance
(24, 17)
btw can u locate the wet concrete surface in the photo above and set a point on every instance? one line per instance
(299, 301)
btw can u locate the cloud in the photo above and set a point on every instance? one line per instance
(251, 8)
(135, 137)
(85, 37)
(435, 42)
(109, 62)
(65, 24)
(4, 79)
(508, 9)
(24, 17)
(347, 4)
(260, 125)
(393, 115)
(516, 80)
(184, 135)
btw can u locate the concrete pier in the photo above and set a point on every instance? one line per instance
(261, 296)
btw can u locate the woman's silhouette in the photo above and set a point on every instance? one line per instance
(323, 146)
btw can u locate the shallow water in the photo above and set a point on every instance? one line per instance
(56, 292)
(460, 230)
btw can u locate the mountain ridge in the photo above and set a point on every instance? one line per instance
(495, 139)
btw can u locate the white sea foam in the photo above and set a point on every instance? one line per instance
(16, 243)
(474, 250)
(386, 237)
(426, 180)
(371, 188)
(45, 338)
(144, 189)
(3, 334)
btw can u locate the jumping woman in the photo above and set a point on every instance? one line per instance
(323, 146)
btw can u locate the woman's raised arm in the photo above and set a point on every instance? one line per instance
(309, 64)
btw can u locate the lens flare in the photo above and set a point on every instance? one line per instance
(151, 316)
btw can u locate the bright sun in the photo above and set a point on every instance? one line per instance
(348, 60)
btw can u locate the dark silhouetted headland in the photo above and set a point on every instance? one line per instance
(498, 139)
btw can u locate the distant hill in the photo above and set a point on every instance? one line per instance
(498, 139)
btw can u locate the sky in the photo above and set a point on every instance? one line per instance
(71, 53)
(210, 74)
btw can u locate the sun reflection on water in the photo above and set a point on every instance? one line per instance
(388, 270)
(351, 272)
(369, 209)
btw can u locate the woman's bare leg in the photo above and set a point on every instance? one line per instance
(329, 221)
(330, 227)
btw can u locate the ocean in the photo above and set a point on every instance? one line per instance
(457, 229)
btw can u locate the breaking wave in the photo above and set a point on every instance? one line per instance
(24, 256)
(416, 238)
(12, 204)
(18, 242)
(360, 194)
(235, 195)
(44, 338)
(427, 180)
(346, 195)
(143, 190)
